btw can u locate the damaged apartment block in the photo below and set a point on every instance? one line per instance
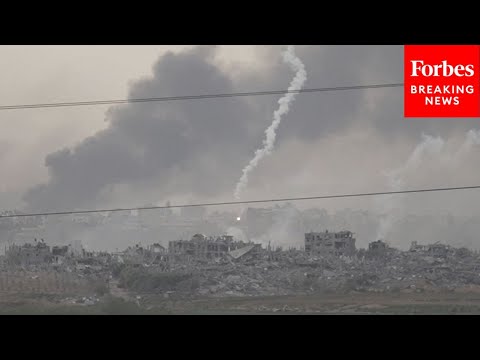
(336, 243)
(202, 247)
(437, 249)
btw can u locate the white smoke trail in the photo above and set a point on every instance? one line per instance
(391, 204)
(296, 65)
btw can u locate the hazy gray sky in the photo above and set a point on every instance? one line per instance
(85, 157)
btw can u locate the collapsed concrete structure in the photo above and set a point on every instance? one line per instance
(235, 268)
(252, 251)
(140, 255)
(378, 245)
(377, 248)
(203, 247)
(59, 254)
(436, 249)
(337, 243)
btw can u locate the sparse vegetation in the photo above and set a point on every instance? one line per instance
(110, 306)
(144, 280)
(101, 289)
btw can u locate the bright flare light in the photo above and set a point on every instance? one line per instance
(238, 218)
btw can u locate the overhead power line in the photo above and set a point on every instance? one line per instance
(194, 97)
(244, 202)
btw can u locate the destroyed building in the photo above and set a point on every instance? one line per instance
(378, 245)
(134, 255)
(249, 252)
(60, 250)
(337, 243)
(157, 254)
(28, 254)
(139, 255)
(436, 249)
(377, 248)
(203, 247)
(157, 249)
(59, 253)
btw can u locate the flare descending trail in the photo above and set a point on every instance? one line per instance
(297, 83)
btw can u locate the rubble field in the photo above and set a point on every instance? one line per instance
(294, 273)
(432, 279)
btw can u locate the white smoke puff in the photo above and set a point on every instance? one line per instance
(297, 83)
(429, 146)
(431, 151)
(390, 205)
(237, 233)
(472, 138)
(285, 232)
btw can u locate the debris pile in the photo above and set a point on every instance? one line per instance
(85, 300)
(221, 267)
(294, 272)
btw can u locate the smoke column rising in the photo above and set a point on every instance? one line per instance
(297, 83)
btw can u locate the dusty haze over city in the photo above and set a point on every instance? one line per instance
(193, 151)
